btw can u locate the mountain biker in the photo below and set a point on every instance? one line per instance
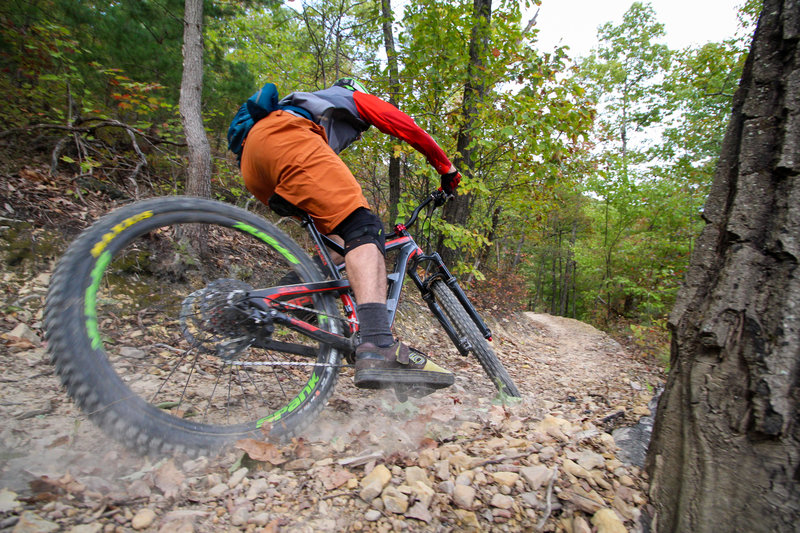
(292, 153)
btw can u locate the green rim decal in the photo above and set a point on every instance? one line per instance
(294, 404)
(267, 239)
(90, 299)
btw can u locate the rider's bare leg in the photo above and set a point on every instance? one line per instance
(366, 271)
(336, 258)
(382, 362)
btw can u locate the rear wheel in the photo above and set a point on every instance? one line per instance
(465, 326)
(148, 328)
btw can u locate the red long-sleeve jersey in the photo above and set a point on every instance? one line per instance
(346, 113)
(390, 120)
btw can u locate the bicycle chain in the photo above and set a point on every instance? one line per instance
(265, 363)
(286, 363)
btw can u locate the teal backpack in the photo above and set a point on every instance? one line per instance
(254, 109)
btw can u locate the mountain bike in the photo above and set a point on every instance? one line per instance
(180, 324)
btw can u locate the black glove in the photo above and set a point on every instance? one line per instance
(450, 182)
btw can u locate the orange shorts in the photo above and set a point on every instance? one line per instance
(289, 155)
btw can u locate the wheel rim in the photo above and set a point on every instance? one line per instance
(137, 315)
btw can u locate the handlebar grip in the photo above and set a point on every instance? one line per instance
(440, 197)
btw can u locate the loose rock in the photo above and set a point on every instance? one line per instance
(8, 500)
(580, 525)
(237, 477)
(372, 515)
(607, 521)
(467, 519)
(143, 519)
(415, 474)
(588, 502)
(30, 522)
(373, 483)
(507, 479)
(501, 501)
(464, 496)
(256, 488)
(394, 501)
(589, 460)
(535, 476)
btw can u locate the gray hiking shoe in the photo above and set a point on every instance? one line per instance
(400, 367)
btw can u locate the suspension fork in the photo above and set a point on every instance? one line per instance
(442, 272)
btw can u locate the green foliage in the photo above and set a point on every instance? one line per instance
(589, 176)
(663, 115)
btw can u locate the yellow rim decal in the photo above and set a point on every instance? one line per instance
(98, 248)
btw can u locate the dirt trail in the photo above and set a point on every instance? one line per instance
(577, 355)
(56, 467)
(456, 460)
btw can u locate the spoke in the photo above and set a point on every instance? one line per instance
(228, 402)
(183, 310)
(188, 378)
(278, 380)
(241, 386)
(213, 392)
(255, 386)
(174, 368)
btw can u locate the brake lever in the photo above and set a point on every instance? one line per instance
(440, 197)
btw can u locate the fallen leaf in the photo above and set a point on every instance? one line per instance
(301, 449)
(333, 478)
(427, 442)
(18, 342)
(60, 441)
(32, 175)
(261, 451)
(168, 479)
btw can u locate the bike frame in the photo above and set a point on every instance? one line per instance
(276, 301)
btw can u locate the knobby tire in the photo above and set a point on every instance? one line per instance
(466, 327)
(140, 330)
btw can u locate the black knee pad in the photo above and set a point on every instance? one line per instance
(361, 227)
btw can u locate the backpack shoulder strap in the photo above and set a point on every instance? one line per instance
(264, 102)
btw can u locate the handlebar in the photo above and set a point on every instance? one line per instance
(439, 197)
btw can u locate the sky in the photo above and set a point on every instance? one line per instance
(687, 22)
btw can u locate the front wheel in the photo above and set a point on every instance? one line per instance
(147, 324)
(465, 327)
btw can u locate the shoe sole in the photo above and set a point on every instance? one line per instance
(387, 379)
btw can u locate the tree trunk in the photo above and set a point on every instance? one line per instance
(553, 285)
(198, 175)
(570, 263)
(394, 92)
(458, 209)
(725, 453)
(483, 255)
(517, 254)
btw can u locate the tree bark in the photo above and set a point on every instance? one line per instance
(394, 92)
(569, 266)
(725, 453)
(198, 173)
(458, 209)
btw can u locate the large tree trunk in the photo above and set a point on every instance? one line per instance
(725, 454)
(198, 176)
(394, 92)
(458, 209)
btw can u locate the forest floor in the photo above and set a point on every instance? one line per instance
(456, 460)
